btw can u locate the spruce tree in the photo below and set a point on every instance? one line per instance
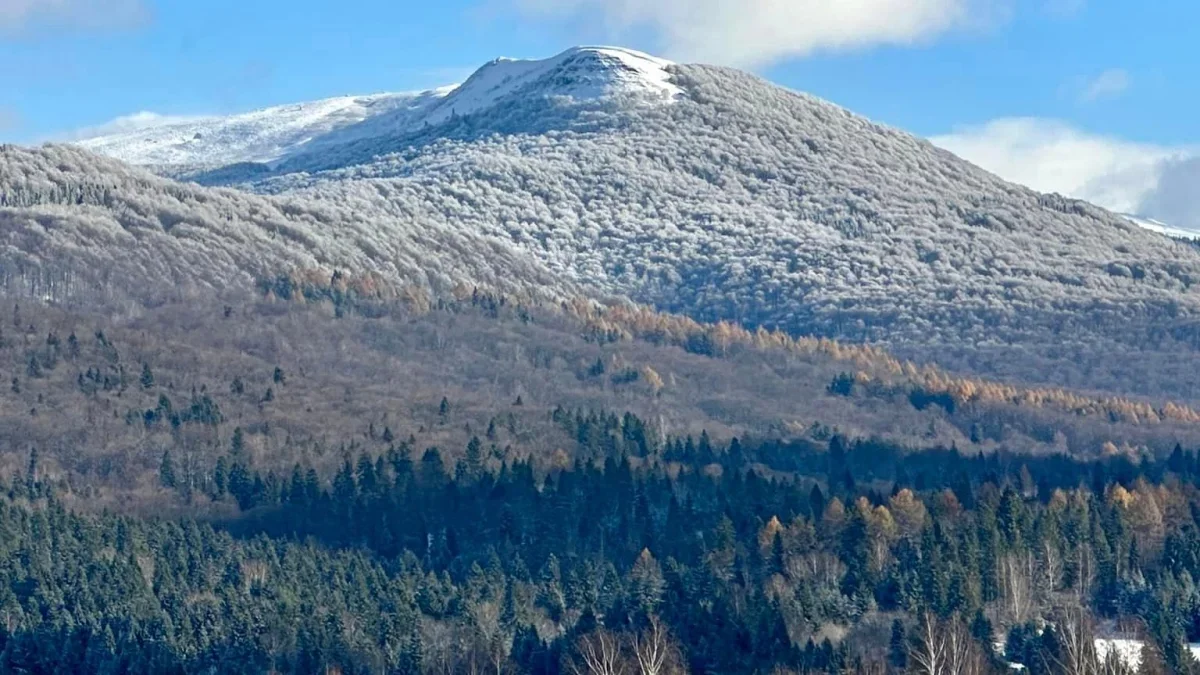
(898, 646)
(166, 471)
(34, 368)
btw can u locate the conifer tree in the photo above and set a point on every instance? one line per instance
(166, 471)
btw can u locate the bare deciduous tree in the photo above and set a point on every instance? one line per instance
(1017, 574)
(655, 651)
(963, 656)
(945, 648)
(928, 654)
(1086, 562)
(1052, 567)
(1076, 638)
(599, 653)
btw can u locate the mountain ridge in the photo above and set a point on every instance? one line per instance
(262, 135)
(269, 135)
(179, 149)
(736, 199)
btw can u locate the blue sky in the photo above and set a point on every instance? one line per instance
(1056, 93)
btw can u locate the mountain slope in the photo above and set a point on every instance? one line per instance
(75, 225)
(720, 195)
(259, 136)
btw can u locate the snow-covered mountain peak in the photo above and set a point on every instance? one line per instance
(273, 134)
(580, 73)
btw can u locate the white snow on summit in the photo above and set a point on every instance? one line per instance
(581, 73)
(272, 134)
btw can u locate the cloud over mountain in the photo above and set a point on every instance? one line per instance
(757, 32)
(1176, 198)
(1156, 181)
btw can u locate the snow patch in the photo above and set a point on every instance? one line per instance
(1127, 650)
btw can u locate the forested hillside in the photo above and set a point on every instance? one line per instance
(597, 365)
(320, 481)
(739, 557)
(307, 372)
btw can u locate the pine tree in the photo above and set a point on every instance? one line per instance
(898, 646)
(34, 367)
(33, 474)
(778, 559)
(220, 478)
(166, 471)
(410, 661)
(237, 445)
(147, 379)
(646, 583)
(241, 485)
(474, 460)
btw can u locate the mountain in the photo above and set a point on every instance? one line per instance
(714, 193)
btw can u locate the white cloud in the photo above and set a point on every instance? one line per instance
(1109, 84)
(1155, 181)
(124, 125)
(18, 15)
(1176, 199)
(757, 32)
